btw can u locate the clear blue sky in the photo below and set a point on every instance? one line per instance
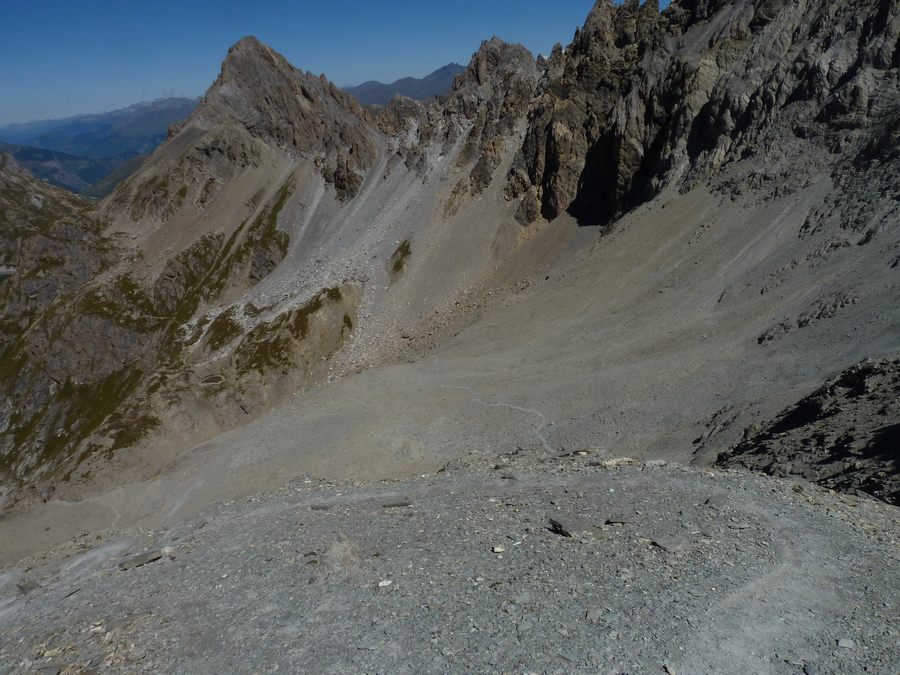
(68, 57)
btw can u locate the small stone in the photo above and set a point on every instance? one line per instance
(385, 583)
(617, 462)
(671, 544)
(499, 549)
(140, 560)
(26, 586)
(619, 520)
(593, 615)
(717, 502)
(570, 527)
(846, 643)
(810, 669)
(137, 655)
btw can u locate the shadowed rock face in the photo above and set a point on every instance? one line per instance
(845, 435)
(641, 99)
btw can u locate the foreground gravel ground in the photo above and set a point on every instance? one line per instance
(574, 565)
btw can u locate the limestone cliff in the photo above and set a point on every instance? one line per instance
(641, 99)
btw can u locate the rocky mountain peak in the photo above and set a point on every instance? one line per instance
(487, 102)
(248, 47)
(260, 91)
(494, 61)
(258, 88)
(489, 99)
(249, 62)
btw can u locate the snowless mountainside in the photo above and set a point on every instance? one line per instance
(652, 242)
(285, 236)
(135, 130)
(675, 240)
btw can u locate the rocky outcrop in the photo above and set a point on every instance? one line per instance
(488, 103)
(641, 100)
(845, 435)
(495, 92)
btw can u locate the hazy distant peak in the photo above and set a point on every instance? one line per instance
(434, 84)
(77, 152)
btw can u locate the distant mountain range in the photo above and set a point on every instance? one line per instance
(74, 173)
(137, 129)
(436, 84)
(90, 154)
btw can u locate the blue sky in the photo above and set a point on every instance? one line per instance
(68, 57)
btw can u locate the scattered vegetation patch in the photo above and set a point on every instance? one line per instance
(129, 430)
(222, 330)
(151, 193)
(187, 278)
(190, 334)
(125, 302)
(397, 263)
(265, 245)
(12, 361)
(455, 200)
(76, 411)
(270, 345)
(156, 196)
